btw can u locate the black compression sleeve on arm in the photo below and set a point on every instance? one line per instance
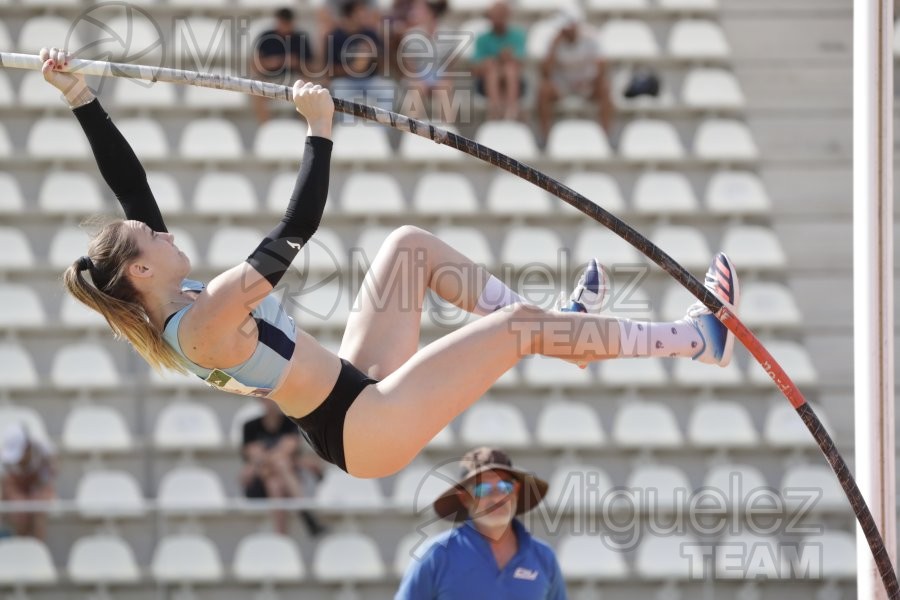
(120, 168)
(274, 254)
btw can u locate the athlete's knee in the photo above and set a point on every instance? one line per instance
(408, 236)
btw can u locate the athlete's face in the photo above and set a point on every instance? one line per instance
(158, 250)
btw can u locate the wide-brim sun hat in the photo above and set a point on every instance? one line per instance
(532, 489)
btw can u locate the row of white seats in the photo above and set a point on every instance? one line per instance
(703, 88)
(644, 140)
(620, 39)
(355, 558)
(573, 487)
(751, 247)
(363, 194)
(87, 366)
(641, 424)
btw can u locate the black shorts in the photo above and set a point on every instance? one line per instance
(323, 428)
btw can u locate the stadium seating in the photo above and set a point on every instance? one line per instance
(102, 560)
(99, 429)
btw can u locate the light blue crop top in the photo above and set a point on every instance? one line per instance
(259, 374)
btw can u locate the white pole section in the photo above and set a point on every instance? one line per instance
(873, 302)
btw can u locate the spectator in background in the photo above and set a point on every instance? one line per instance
(355, 57)
(573, 67)
(424, 57)
(491, 555)
(273, 465)
(281, 55)
(28, 475)
(499, 53)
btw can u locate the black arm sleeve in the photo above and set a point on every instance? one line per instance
(274, 254)
(120, 168)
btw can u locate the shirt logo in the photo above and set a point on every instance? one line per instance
(293, 245)
(526, 574)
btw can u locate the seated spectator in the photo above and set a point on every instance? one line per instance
(281, 55)
(424, 60)
(355, 58)
(273, 465)
(28, 475)
(499, 53)
(574, 67)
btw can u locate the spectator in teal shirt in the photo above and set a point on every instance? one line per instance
(499, 53)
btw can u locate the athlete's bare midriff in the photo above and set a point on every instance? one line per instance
(309, 379)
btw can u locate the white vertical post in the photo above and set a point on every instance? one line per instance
(873, 269)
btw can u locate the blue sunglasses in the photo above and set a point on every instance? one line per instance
(484, 489)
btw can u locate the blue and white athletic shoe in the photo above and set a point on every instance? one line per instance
(590, 291)
(717, 343)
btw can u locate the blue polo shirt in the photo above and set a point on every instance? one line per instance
(459, 564)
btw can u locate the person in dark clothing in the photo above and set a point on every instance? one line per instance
(273, 464)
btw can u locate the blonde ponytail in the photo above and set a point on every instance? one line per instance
(111, 294)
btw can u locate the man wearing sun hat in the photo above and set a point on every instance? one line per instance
(491, 555)
(27, 475)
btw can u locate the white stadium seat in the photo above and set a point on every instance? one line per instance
(578, 140)
(676, 300)
(576, 488)
(17, 371)
(210, 139)
(614, 6)
(547, 5)
(102, 559)
(76, 315)
(724, 140)
(109, 494)
(793, 358)
(281, 188)
(131, 93)
(698, 39)
(737, 484)
(229, 246)
(590, 557)
(599, 188)
(627, 39)
(348, 557)
(508, 137)
(188, 489)
(167, 192)
(248, 412)
(418, 486)
(325, 305)
(96, 429)
(659, 488)
(67, 244)
(612, 250)
(212, 99)
(637, 372)
(650, 140)
(541, 372)
(737, 192)
(225, 193)
(6, 148)
(803, 483)
(268, 557)
(185, 425)
(22, 306)
(673, 557)
(753, 247)
(785, 429)
(25, 561)
(566, 424)
(143, 40)
(56, 139)
(664, 193)
(509, 195)
(6, 39)
(146, 137)
(372, 194)
(835, 551)
(640, 424)
(530, 245)
(199, 40)
(186, 558)
(445, 194)
(84, 365)
(338, 490)
(691, 373)
(73, 192)
(415, 148)
(36, 32)
(540, 36)
(494, 423)
(279, 140)
(748, 555)
(362, 142)
(768, 304)
(11, 199)
(689, 5)
(712, 89)
(28, 417)
(721, 424)
(687, 245)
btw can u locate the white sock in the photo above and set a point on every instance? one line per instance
(494, 296)
(642, 338)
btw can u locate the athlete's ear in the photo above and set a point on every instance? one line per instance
(140, 270)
